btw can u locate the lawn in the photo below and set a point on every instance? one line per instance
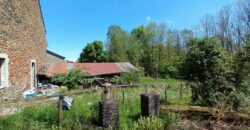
(84, 111)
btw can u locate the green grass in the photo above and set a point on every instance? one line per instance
(149, 80)
(84, 111)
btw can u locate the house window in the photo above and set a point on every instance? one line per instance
(4, 73)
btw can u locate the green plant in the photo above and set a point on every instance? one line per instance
(131, 77)
(71, 79)
(241, 78)
(204, 67)
(149, 123)
(169, 119)
(161, 122)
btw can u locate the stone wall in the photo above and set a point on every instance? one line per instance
(22, 38)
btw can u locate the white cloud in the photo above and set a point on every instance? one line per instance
(148, 18)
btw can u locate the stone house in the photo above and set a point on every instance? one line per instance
(22, 43)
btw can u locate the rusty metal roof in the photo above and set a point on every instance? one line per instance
(91, 69)
(95, 69)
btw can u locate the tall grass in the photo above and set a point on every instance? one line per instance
(84, 111)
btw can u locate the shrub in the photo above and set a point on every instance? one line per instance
(169, 119)
(71, 79)
(204, 67)
(149, 123)
(215, 78)
(164, 121)
(171, 67)
(241, 78)
(131, 77)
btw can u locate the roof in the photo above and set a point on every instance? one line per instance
(92, 69)
(125, 66)
(54, 54)
(57, 68)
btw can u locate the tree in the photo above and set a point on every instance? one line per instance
(208, 25)
(243, 18)
(241, 78)
(93, 52)
(205, 71)
(224, 28)
(117, 41)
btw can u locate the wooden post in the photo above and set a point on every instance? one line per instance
(60, 112)
(110, 92)
(187, 87)
(123, 94)
(117, 80)
(91, 84)
(181, 92)
(113, 92)
(166, 96)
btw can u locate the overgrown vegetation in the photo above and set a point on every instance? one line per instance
(71, 79)
(215, 78)
(131, 77)
(162, 122)
(84, 111)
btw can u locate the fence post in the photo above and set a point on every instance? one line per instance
(110, 92)
(123, 96)
(181, 91)
(166, 96)
(187, 85)
(146, 89)
(60, 112)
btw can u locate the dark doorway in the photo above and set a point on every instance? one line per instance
(1, 69)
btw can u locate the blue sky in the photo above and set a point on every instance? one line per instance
(71, 24)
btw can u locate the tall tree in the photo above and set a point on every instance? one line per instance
(208, 25)
(93, 52)
(224, 28)
(243, 18)
(117, 43)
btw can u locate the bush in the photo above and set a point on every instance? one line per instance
(215, 78)
(162, 122)
(149, 123)
(72, 79)
(204, 67)
(241, 78)
(171, 67)
(131, 77)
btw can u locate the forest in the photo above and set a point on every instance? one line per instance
(214, 55)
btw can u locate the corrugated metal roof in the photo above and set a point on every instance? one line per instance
(57, 68)
(95, 69)
(91, 69)
(125, 66)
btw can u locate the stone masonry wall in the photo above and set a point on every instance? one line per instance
(22, 38)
